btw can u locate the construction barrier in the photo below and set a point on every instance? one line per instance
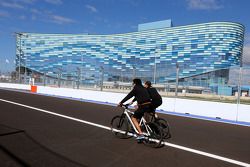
(33, 89)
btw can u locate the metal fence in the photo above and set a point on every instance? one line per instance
(234, 89)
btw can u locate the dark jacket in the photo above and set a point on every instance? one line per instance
(140, 93)
(155, 96)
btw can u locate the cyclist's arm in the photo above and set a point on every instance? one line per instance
(131, 94)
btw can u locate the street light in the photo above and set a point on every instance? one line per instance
(59, 75)
(134, 71)
(78, 77)
(20, 52)
(102, 76)
(82, 53)
(156, 53)
(177, 79)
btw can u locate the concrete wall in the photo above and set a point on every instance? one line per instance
(226, 111)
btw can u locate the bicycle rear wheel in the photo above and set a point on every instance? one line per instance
(165, 127)
(119, 127)
(155, 139)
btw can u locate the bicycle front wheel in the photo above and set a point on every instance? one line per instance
(155, 139)
(119, 127)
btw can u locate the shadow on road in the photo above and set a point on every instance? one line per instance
(18, 148)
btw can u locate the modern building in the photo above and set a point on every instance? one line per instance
(203, 53)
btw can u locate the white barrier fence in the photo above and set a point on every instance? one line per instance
(226, 111)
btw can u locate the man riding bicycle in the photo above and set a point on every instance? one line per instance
(156, 99)
(143, 101)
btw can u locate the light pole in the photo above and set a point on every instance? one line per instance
(59, 75)
(156, 53)
(44, 79)
(20, 53)
(239, 92)
(78, 77)
(19, 57)
(102, 77)
(134, 71)
(177, 79)
(155, 71)
(81, 79)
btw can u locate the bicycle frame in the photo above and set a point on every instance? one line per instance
(142, 122)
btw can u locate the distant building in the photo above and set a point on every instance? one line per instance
(203, 52)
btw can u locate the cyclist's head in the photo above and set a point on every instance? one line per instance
(148, 84)
(137, 81)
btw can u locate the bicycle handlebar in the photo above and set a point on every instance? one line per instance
(125, 106)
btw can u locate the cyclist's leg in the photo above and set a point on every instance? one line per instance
(137, 115)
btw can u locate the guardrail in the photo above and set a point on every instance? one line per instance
(227, 111)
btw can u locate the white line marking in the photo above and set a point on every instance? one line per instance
(166, 143)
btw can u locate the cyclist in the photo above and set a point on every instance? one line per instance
(143, 101)
(156, 99)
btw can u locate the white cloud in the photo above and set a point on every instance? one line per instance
(247, 38)
(204, 4)
(35, 11)
(33, 17)
(246, 54)
(60, 19)
(7, 61)
(13, 5)
(4, 14)
(27, 1)
(49, 16)
(91, 8)
(55, 2)
(22, 17)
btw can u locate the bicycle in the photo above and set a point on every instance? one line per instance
(123, 127)
(163, 123)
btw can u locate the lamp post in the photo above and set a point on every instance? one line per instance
(59, 75)
(44, 79)
(239, 92)
(177, 79)
(78, 77)
(155, 65)
(102, 76)
(19, 56)
(134, 71)
(155, 71)
(81, 77)
(20, 35)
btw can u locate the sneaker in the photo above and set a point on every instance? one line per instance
(140, 137)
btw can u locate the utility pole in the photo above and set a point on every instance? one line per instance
(78, 77)
(59, 77)
(102, 77)
(134, 71)
(44, 79)
(20, 35)
(177, 79)
(81, 67)
(155, 71)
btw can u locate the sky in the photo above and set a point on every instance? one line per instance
(110, 17)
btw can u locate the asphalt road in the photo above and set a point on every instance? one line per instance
(29, 137)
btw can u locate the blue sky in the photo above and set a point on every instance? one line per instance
(109, 17)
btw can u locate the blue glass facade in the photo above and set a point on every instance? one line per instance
(151, 54)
